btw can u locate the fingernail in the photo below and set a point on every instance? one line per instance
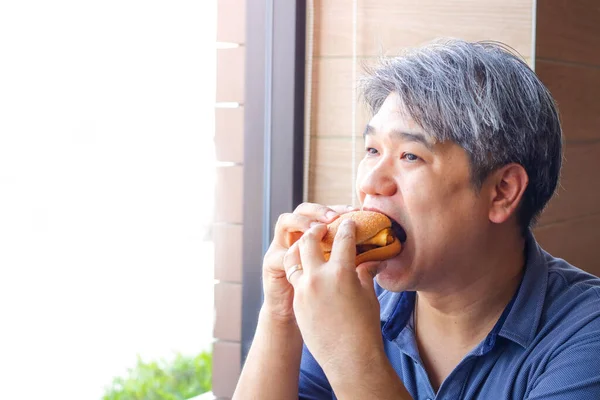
(315, 223)
(350, 208)
(331, 214)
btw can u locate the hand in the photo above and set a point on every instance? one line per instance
(335, 303)
(289, 228)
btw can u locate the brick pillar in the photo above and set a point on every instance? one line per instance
(227, 229)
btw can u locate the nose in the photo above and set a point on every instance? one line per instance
(378, 180)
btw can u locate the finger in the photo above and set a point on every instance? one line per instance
(344, 244)
(343, 208)
(294, 273)
(292, 264)
(293, 237)
(289, 228)
(311, 252)
(292, 256)
(366, 275)
(317, 212)
(338, 208)
(371, 267)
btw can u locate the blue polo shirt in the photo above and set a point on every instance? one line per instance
(545, 345)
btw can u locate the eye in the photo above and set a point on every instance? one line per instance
(371, 151)
(410, 157)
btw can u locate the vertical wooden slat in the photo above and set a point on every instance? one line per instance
(386, 26)
(568, 62)
(579, 192)
(575, 240)
(332, 98)
(575, 89)
(569, 30)
(331, 179)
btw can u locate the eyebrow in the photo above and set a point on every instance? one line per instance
(402, 135)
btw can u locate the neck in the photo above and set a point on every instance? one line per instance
(467, 311)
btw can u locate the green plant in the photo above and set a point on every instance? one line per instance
(180, 379)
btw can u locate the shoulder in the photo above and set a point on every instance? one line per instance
(568, 340)
(570, 287)
(571, 311)
(569, 274)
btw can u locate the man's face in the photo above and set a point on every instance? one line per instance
(426, 187)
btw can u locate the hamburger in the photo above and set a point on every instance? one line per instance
(377, 236)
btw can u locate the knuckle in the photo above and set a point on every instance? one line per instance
(271, 254)
(267, 258)
(310, 235)
(328, 213)
(342, 208)
(342, 273)
(310, 282)
(281, 220)
(323, 209)
(302, 206)
(339, 273)
(273, 262)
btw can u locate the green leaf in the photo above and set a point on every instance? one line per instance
(181, 378)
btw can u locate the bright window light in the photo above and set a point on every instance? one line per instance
(106, 189)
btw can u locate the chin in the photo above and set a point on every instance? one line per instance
(393, 275)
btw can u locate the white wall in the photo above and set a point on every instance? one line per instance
(106, 181)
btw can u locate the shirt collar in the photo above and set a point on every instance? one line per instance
(518, 322)
(523, 319)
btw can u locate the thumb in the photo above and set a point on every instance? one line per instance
(366, 272)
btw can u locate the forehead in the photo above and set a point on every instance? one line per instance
(391, 117)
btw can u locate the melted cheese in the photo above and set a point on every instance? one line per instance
(383, 238)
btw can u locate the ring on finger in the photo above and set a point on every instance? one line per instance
(292, 271)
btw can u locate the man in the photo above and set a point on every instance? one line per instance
(463, 151)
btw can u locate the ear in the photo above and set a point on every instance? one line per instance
(508, 185)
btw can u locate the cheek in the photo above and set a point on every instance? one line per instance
(443, 204)
(462, 198)
(422, 195)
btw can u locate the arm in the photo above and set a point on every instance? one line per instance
(378, 382)
(273, 364)
(375, 379)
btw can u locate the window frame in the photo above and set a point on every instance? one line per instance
(273, 137)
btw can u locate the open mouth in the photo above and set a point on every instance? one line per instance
(399, 232)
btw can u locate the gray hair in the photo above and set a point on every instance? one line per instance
(486, 99)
